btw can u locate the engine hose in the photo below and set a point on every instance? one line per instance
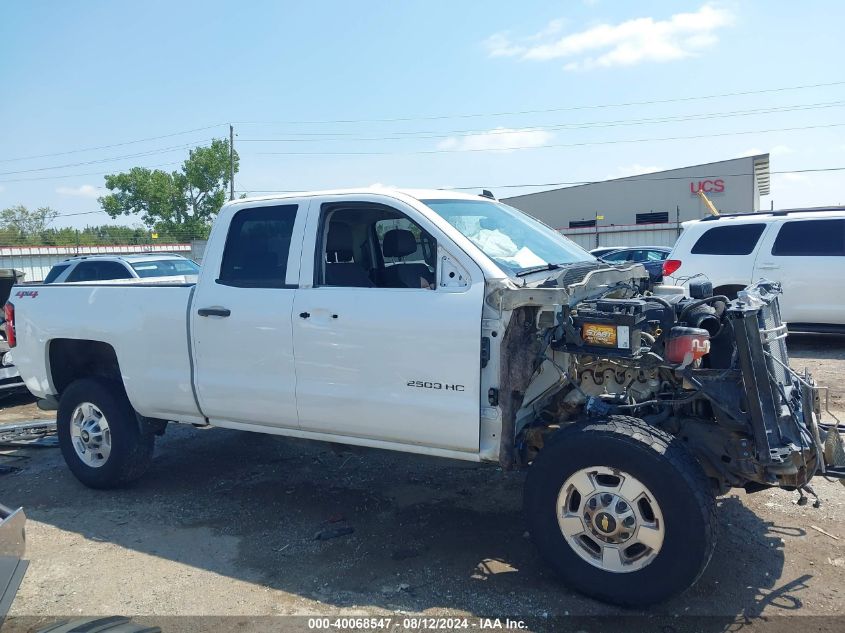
(660, 300)
(701, 302)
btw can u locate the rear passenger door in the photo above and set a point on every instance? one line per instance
(808, 257)
(241, 318)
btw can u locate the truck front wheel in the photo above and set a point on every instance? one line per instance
(99, 434)
(621, 510)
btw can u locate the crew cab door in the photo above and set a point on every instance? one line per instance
(387, 343)
(807, 256)
(241, 315)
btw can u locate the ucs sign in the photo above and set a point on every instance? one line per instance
(707, 186)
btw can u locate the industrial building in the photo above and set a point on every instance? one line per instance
(648, 208)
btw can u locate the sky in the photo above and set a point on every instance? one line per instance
(432, 93)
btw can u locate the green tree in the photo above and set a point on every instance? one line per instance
(180, 203)
(20, 225)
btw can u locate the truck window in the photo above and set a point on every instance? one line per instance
(55, 271)
(165, 268)
(739, 239)
(374, 246)
(257, 247)
(99, 271)
(816, 238)
(513, 240)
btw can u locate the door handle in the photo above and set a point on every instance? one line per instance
(304, 315)
(221, 312)
(769, 266)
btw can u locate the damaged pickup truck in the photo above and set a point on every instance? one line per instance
(451, 325)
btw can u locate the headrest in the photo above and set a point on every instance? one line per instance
(399, 243)
(339, 237)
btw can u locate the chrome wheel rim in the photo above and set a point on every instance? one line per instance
(90, 434)
(610, 519)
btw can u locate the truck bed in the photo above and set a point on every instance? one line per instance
(146, 324)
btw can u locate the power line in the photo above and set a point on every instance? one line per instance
(90, 173)
(556, 145)
(625, 179)
(90, 149)
(401, 136)
(547, 110)
(164, 150)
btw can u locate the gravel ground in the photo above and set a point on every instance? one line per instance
(225, 524)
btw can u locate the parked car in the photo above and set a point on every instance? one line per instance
(603, 250)
(651, 257)
(449, 325)
(802, 249)
(162, 266)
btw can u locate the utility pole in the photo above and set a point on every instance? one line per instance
(231, 162)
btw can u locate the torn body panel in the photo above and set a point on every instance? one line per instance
(710, 370)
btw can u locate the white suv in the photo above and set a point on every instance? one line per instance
(803, 249)
(162, 266)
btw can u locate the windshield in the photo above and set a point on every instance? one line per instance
(513, 240)
(166, 268)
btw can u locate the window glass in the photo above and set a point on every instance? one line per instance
(512, 239)
(739, 239)
(818, 238)
(423, 250)
(257, 247)
(99, 271)
(55, 271)
(656, 256)
(618, 256)
(166, 268)
(375, 246)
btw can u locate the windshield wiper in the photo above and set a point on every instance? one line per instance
(537, 269)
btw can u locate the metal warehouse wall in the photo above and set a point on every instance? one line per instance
(36, 261)
(637, 235)
(733, 186)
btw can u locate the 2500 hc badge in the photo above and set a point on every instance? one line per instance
(435, 385)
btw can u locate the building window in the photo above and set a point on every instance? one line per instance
(653, 218)
(581, 224)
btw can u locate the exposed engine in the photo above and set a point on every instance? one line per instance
(705, 368)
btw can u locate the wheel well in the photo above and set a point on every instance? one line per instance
(71, 359)
(729, 290)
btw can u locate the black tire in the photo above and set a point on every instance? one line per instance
(131, 450)
(669, 472)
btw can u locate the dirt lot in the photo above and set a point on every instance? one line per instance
(225, 523)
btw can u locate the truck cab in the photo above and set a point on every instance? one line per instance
(340, 309)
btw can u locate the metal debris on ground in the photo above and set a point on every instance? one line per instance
(818, 529)
(39, 433)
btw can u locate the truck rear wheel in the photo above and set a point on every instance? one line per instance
(621, 510)
(99, 434)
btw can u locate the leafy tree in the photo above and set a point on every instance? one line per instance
(19, 223)
(180, 203)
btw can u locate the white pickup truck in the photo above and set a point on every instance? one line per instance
(452, 325)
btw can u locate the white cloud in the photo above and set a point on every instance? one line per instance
(635, 170)
(624, 44)
(500, 138)
(83, 191)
